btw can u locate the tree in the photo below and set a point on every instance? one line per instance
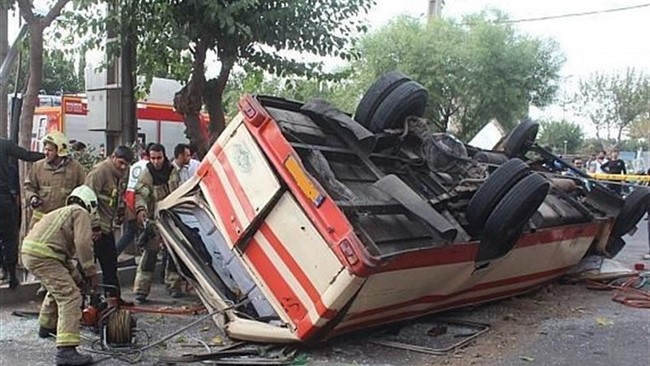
(58, 74)
(36, 24)
(640, 129)
(257, 35)
(614, 101)
(253, 34)
(343, 93)
(558, 134)
(475, 70)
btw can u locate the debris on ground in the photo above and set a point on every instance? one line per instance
(444, 335)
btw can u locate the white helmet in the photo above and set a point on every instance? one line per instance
(86, 197)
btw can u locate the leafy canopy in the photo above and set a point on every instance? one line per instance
(555, 134)
(613, 102)
(475, 70)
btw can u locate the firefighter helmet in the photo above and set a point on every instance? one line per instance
(85, 196)
(58, 139)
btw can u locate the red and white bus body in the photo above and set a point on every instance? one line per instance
(302, 254)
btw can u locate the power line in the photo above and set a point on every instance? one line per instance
(571, 15)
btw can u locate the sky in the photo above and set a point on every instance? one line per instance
(606, 42)
(601, 42)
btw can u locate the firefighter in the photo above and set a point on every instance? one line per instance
(107, 179)
(51, 180)
(155, 183)
(48, 252)
(9, 190)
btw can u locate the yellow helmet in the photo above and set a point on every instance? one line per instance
(85, 196)
(58, 139)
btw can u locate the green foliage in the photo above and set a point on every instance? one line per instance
(88, 158)
(59, 74)
(161, 49)
(554, 134)
(343, 93)
(612, 102)
(255, 32)
(475, 70)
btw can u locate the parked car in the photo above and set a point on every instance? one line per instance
(303, 223)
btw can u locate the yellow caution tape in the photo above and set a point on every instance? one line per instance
(622, 177)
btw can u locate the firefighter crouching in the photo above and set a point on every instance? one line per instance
(48, 251)
(51, 180)
(155, 183)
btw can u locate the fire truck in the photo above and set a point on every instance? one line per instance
(156, 123)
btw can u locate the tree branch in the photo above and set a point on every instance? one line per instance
(25, 7)
(55, 12)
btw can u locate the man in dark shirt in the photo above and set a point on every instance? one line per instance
(614, 166)
(9, 152)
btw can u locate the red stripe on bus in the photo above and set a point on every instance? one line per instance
(273, 240)
(461, 252)
(221, 202)
(287, 298)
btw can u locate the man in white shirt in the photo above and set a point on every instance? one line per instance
(600, 160)
(182, 158)
(129, 229)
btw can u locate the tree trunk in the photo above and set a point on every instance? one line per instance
(618, 136)
(189, 100)
(4, 47)
(213, 96)
(30, 99)
(128, 78)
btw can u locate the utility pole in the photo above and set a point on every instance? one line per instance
(4, 48)
(435, 8)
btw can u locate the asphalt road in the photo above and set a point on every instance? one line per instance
(559, 324)
(615, 335)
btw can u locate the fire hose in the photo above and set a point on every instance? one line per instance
(134, 354)
(629, 292)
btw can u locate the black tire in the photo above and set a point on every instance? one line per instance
(614, 246)
(521, 138)
(489, 157)
(376, 94)
(505, 224)
(635, 206)
(492, 191)
(408, 99)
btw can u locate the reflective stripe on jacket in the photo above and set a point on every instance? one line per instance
(104, 180)
(63, 234)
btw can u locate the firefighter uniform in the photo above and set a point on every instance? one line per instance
(52, 184)
(107, 181)
(147, 194)
(48, 252)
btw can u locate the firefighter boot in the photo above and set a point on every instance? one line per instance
(70, 356)
(46, 332)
